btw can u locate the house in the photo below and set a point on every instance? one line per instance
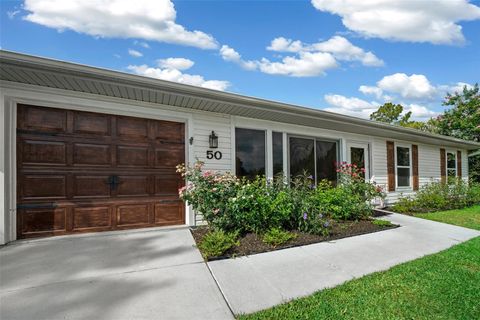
(87, 149)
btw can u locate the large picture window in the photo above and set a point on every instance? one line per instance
(451, 165)
(404, 168)
(249, 152)
(314, 157)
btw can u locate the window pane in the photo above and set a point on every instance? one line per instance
(403, 156)
(277, 141)
(357, 156)
(451, 160)
(326, 160)
(249, 152)
(403, 175)
(301, 156)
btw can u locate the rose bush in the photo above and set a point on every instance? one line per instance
(240, 205)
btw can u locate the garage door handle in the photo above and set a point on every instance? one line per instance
(37, 206)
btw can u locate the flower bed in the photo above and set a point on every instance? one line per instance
(273, 210)
(252, 243)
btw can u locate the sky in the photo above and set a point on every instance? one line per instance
(344, 56)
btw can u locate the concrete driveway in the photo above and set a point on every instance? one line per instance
(148, 274)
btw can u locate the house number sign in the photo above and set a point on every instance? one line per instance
(217, 155)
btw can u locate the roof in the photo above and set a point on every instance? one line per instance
(27, 69)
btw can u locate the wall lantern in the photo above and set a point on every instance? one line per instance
(213, 140)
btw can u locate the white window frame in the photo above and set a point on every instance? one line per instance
(360, 145)
(314, 138)
(410, 186)
(446, 163)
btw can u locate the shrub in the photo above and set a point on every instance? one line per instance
(382, 223)
(217, 242)
(437, 196)
(276, 237)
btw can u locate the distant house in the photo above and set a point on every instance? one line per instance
(86, 149)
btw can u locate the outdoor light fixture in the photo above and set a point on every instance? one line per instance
(213, 139)
(191, 140)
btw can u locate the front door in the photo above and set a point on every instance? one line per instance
(358, 153)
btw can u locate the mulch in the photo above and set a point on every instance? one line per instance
(251, 243)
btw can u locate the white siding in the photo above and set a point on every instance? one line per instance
(203, 125)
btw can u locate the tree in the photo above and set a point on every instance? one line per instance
(462, 121)
(392, 113)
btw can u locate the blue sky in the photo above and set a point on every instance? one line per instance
(343, 56)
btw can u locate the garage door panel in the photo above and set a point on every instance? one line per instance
(169, 155)
(89, 218)
(132, 128)
(170, 212)
(92, 154)
(170, 131)
(43, 187)
(130, 186)
(91, 186)
(44, 119)
(36, 221)
(130, 156)
(133, 215)
(168, 184)
(95, 172)
(92, 124)
(37, 152)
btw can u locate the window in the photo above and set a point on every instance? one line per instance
(403, 167)
(277, 143)
(451, 165)
(249, 152)
(313, 157)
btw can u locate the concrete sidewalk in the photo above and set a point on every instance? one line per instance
(261, 281)
(143, 274)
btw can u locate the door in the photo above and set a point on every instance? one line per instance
(87, 172)
(358, 153)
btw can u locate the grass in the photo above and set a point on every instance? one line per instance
(468, 217)
(445, 285)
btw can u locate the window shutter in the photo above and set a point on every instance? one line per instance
(415, 166)
(459, 164)
(391, 165)
(443, 166)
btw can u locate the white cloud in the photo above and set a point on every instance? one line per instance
(135, 53)
(433, 21)
(175, 63)
(308, 64)
(12, 14)
(168, 69)
(229, 54)
(141, 44)
(338, 46)
(457, 87)
(350, 106)
(143, 19)
(309, 60)
(420, 113)
(415, 86)
(371, 90)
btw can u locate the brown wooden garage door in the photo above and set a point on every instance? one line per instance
(87, 172)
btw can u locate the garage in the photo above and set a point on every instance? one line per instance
(87, 172)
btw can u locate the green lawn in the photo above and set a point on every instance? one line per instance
(469, 217)
(445, 285)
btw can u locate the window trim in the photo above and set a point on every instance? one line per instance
(410, 166)
(235, 147)
(314, 138)
(446, 164)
